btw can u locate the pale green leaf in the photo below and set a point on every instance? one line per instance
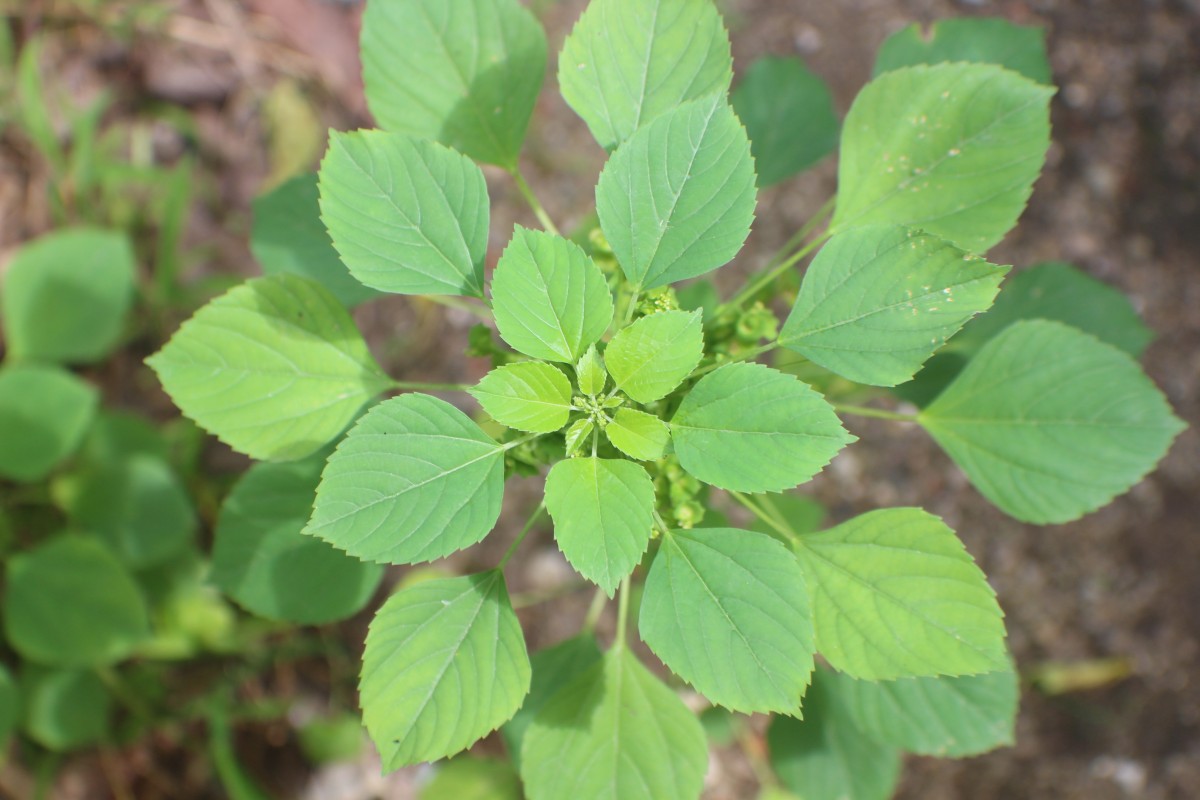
(466, 74)
(466, 778)
(979, 40)
(727, 611)
(799, 513)
(529, 396)
(274, 368)
(677, 199)
(577, 435)
(952, 149)
(407, 216)
(628, 61)
(65, 709)
(414, 480)
(750, 428)
(550, 299)
(877, 302)
(1049, 423)
(603, 512)
(44, 414)
(639, 435)
(590, 373)
(655, 354)
(614, 732)
(445, 664)
(788, 113)
(895, 595)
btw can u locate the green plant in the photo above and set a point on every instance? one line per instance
(640, 399)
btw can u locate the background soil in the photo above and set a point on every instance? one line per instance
(1120, 198)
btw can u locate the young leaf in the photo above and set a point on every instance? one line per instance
(70, 603)
(550, 299)
(629, 61)
(263, 561)
(65, 709)
(788, 113)
(603, 512)
(414, 480)
(614, 731)
(444, 665)
(877, 302)
(577, 435)
(529, 396)
(639, 435)
(466, 74)
(1049, 423)
(274, 367)
(895, 595)
(289, 236)
(653, 355)
(591, 373)
(66, 296)
(978, 40)
(953, 149)
(727, 611)
(677, 199)
(44, 414)
(407, 216)
(750, 428)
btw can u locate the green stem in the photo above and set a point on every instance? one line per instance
(745, 355)
(877, 413)
(538, 209)
(599, 601)
(662, 525)
(526, 599)
(518, 442)
(622, 613)
(431, 387)
(537, 512)
(771, 275)
(481, 311)
(783, 530)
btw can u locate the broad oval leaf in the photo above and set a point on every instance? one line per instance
(953, 149)
(445, 664)
(603, 512)
(749, 428)
(727, 611)
(677, 199)
(655, 354)
(979, 40)
(895, 595)
(639, 435)
(877, 302)
(407, 215)
(262, 559)
(274, 368)
(466, 74)
(415, 479)
(70, 603)
(628, 61)
(529, 396)
(614, 732)
(65, 709)
(550, 299)
(1049, 423)
(44, 413)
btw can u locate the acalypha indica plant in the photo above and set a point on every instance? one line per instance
(639, 398)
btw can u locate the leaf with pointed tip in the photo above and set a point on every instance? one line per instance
(274, 368)
(529, 396)
(44, 413)
(653, 355)
(414, 480)
(977, 40)
(591, 373)
(444, 665)
(677, 199)
(639, 435)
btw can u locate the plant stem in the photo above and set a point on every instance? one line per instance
(878, 413)
(599, 601)
(745, 355)
(431, 387)
(538, 209)
(770, 276)
(622, 613)
(783, 530)
(526, 599)
(518, 442)
(537, 512)
(481, 311)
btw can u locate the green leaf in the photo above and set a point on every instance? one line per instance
(577, 436)
(116, 436)
(800, 513)
(263, 561)
(1050, 423)
(655, 354)
(614, 732)
(289, 236)
(66, 709)
(639, 435)
(445, 664)
(895, 595)
(66, 296)
(749, 428)
(529, 396)
(466, 74)
(950, 717)
(877, 302)
(826, 757)
(10, 705)
(407, 216)
(727, 611)
(591, 373)
(629, 61)
(952, 149)
(978, 40)
(44, 414)
(414, 480)
(550, 299)
(331, 739)
(70, 603)
(274, 368)
(677, 199)
(466, 778)
(788, 113)
(603, 512)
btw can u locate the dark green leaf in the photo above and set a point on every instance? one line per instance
(65, 709)
(44, 413)
(971, 39)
